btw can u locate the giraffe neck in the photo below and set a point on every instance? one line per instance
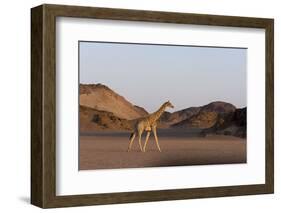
(156, 115)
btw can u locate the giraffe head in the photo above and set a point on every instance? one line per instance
(168, 104)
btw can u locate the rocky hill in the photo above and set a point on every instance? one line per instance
(168, 119)
(103, 109)
(95, 120)
(205, 116)
(102, 98)
(233, 123)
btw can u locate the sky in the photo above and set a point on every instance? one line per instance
(148, 75)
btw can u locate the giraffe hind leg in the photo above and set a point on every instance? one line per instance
(132, 137)
(146, 140)
(140, 133)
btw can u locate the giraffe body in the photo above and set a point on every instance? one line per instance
(148, 124)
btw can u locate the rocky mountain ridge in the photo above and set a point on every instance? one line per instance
(103, 109)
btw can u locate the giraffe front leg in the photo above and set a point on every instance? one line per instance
(156, 138)
(140, 133)
(146, 140)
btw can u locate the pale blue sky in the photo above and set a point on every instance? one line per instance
(148, 75)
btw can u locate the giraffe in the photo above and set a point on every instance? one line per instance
(147, 124)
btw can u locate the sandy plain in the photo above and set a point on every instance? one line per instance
(108, 150)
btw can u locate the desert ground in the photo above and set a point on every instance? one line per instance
(108, 150)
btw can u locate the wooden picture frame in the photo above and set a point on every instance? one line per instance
(43, 105)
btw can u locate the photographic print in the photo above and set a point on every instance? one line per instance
(151, 105)
(112, 100)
